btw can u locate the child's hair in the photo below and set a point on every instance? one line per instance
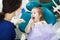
(40, 12)
(9, 6)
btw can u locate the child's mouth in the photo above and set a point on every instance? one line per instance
(33, 18)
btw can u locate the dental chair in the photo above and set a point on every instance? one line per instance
(48, 15)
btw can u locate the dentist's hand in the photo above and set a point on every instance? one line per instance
(16, 21)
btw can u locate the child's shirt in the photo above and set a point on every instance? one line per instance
(42, 31)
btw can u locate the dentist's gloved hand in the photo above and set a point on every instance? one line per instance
(17, 20)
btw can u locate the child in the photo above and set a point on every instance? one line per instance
(38, 29)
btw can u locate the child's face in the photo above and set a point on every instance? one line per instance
(35, 15)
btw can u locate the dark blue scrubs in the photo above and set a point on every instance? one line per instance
(7, 30)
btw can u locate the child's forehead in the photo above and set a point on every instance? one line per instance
(36, 9)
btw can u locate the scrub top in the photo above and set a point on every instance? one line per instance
(7, 30)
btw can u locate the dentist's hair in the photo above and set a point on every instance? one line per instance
(9, 6)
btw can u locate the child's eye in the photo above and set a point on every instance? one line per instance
(34, 13)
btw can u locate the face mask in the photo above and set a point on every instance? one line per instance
(18, 14)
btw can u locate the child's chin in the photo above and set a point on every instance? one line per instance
(34, 21)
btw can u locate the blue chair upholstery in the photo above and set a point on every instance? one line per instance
(26, 16)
